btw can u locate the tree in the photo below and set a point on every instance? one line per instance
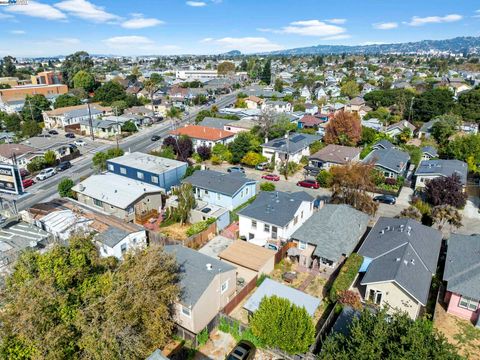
(165, 152)
(205, 152)
(446, 214)
(65, 187)
(278, 86)
(405, 135)
(66, 100)
(240, 146)
(69, 303)
(129, 126)
(151, 86)
(377, 335)
(465, 148)
(325, 178)
(225, 68)
(186, 201)
(411, 213)
(11, 122)
(221, 152)
(252, 159)
(266, 121)
(266, 76)
(109, 92)
(50, 158)
(267, 186)
(432, 103)
(100, 158)
(73, 64)
(34, 105)
(174, 113)
(30, 128)
(280, 324)
(469, 105)
(351, 185)
(119, 107)
(444, 127)
(36, 164)
(84, 80)
(9, 68)
(350, 88)
(344, 129)
(446, 191)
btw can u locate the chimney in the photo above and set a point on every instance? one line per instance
(209, 267)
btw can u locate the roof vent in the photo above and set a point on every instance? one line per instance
(412, 261)
(209, 266)
(81, 187)
(397, 259)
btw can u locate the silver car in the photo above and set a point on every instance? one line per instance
(45, 174)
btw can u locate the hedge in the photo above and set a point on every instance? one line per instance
(200, 226)
(346, 276)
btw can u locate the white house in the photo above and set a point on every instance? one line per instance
(116, 241)
(305, 93)
(277, 106)
(274, 216)
(204, 136)
(291, 148)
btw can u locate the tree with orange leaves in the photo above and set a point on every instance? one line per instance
(344, 129)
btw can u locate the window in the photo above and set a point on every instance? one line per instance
(186, 311)
(123, 170)
(375, 296)
(468, 303)
(154, 179)
(224, 287)
(254, 224)
(139, 175)
(97, 202)
(266, 228)
(123, 248)
(295, 220)
(219, 196)
(246, 191)
(302, 245)
(206, 192)
(301, 215)
(110, 167)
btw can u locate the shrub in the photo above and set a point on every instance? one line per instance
(204, 152)
(350, 298)
(202, 337)
(304, 160)
(267, 186)
(346, 276)
(252, 158)
(200, 226)
(390, 181)
(65, 187)
(216, 160)
(325, 178)
(197, 158)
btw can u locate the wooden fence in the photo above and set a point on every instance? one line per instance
(195, 241)
(242, 294)
(282, 252)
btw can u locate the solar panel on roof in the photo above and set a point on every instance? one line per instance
(297, 138)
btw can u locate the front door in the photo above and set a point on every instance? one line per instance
(274, 232)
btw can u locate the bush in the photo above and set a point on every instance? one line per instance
(204, 152)
(200, 226)
(197, 158)
(252, 159)
(166, 152)
(304, 160)
(191, 170)
(390, 181)
(202, 337)
(36, 164)
(267, 186)
(216, 160)
(65, 187)
(325, 179)
(346, 276)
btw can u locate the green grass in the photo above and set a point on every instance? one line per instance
(234, 330)
(233, 213)
(346, 276)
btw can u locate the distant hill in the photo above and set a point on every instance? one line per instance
(459, 45)
(232, 53)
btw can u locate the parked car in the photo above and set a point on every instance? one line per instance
(27, 182)
(385, 199)
(70, 135)
(24, 173)
(53, 132)
(45, 174)
(262, 166)
(44, 135)
(244, 350)
(64, 166)
(80, 142)
(155, 138)
(312, 184)
(271, 247)
(233, 169)
(271, 177)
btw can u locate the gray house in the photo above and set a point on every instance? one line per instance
(429, 152)
(217, 123)
(431, 169)
(207, 285)
(292, 148)
(400, 258)
(324, 241)
(392, 162)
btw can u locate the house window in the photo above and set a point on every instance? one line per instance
(154, 179)
(468, 303)
(224, 287)
(295, 220)
(97, 202)
(301, 215)
(218, 196)
(123, 170)
(206, 192)
(110, 167)
(266, 228)
(246, 191)
(123, 248)
(186, 311)
(375, 296)
(254, 224)
(140, 175)
(302, 245)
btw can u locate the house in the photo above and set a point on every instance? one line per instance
(373, 123)
(324, 241)
(116, 241)
(244, 124)
(117, 195)
(311, 109)
(277, 105)
(101, 128)
(383, 144)
(228, 190)
(72, 115)
(270, 288)
(207, 285)
(396, 129)
(249, 259)
(274, 216)
(204, 136)
(425, 130)
(22, 154)
(429, 152)
(305, 93)
(462, 276)
(153, 170)
(400, 258)
(253, 102)
(431, 169)
(291, 148)
(355, 105)
(393, 163)
(216, 123)
(309, 122)
(332, 155)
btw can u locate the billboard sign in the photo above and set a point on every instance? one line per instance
(10, 179)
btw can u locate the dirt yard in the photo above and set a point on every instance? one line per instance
(458, 332)
(176, 231)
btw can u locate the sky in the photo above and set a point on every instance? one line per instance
(166, 27)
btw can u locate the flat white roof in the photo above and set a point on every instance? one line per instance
(146, 162)
(116, 190)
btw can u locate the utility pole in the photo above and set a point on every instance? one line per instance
(287, 139)
(90, 121)
(116, 125)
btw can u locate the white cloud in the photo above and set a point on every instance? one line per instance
(336, 21)
(206, 40)
(39, 10)
(196, 3)
(310, 28)
(139, 22)
(245, 44)
(419, 21)
(18, 32)
(385, 25)
(86, 10)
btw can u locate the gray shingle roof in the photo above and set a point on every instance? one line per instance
(383, 144)
(462, 267)
(112, 236)
(326, 229)
(195, 277)
(443, 168)
(430, 150)
(277, 208)
(296, 143)
(216, 123)
(223, 183)
(391, 159)
(403, 251)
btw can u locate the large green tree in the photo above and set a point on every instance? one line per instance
(11, 122)
(432, 103)
(68, 303)
(73, 64)
(84, 80)
(66, 100)
(34, 105)
(267, 72)
(380, 336)
(8, 66)
(469, 105)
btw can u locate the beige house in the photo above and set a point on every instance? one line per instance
(207, 286)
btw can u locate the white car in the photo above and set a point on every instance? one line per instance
(45, 174)
(80, 142)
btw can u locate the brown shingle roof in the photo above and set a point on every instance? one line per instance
(247, 255)
(63, 110)
(203, 132)
(337, 154)
(7, 150)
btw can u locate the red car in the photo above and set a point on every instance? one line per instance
(312, 184)
(271, 177)
(27, 182)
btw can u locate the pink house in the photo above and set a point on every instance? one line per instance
(462, 274)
